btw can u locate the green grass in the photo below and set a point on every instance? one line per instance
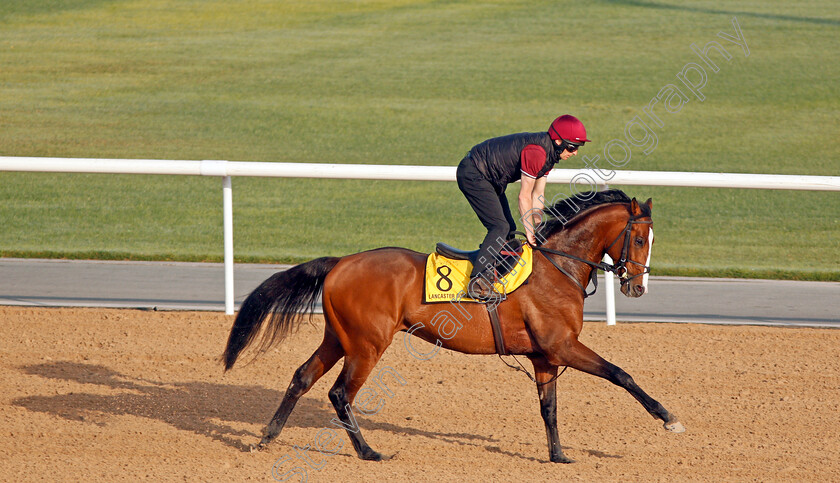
(402, 82)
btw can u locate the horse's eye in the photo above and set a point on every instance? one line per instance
(640, 242)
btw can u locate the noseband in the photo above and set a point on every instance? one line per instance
(619, 268)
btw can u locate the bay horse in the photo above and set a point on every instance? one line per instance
(369, 297)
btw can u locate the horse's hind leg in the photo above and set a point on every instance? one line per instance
(356, 370)
(321, 361)
(584, 359)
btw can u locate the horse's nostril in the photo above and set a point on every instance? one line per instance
(639, 290)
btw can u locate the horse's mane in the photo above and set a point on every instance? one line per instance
(569, 210)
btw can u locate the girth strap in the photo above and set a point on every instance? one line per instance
(498, 338)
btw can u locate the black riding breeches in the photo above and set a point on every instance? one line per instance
(492, 209)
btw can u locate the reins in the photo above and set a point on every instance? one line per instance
(593, 276)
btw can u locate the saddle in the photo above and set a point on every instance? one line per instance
(511, 252)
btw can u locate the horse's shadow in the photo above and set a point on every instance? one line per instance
(207, 409)
(199, 407)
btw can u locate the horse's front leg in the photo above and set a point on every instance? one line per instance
(584, 359)
(546, 389)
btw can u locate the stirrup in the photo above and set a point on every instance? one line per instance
(478, 288)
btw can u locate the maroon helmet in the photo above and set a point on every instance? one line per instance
(568, 128)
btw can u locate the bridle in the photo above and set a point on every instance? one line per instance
(619, 268)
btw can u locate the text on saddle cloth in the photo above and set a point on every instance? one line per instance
(446, 279)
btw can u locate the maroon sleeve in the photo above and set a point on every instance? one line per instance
(533, 160)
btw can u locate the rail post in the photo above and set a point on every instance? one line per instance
(227, 201)
(609, 286)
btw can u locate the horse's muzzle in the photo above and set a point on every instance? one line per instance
(632, 289)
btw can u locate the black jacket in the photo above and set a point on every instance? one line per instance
(499, 159)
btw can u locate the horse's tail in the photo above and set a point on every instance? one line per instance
(283, 299)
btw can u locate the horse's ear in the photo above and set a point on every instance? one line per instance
(649, 203)
(635, 209)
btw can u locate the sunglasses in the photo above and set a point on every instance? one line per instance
(570, 147)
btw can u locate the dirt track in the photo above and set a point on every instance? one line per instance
(127, 395)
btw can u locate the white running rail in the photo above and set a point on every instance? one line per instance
(227, 169)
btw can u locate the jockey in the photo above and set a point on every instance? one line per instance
(490, 166)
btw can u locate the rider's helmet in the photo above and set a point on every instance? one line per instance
(568, 128)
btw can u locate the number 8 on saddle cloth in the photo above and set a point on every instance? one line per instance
(448, 272)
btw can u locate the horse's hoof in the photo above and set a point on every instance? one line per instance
(372, 456)
(562, 459)
(258, 447)
(675, 427)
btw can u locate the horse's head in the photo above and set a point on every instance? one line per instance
(568, 233)
(631, 249)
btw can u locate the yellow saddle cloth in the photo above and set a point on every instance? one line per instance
(446, 279)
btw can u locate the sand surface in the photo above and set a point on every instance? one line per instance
(117, 395)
